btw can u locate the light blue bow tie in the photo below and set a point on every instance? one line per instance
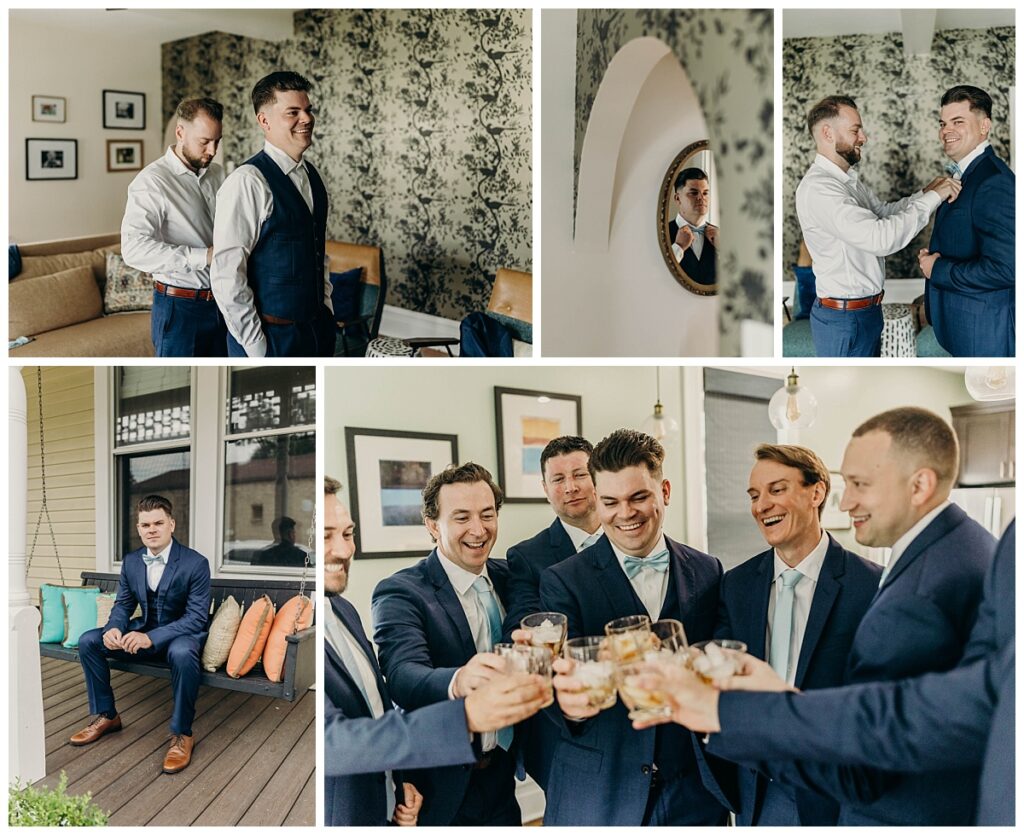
(149, 559)
(655, 562)
(953, 170)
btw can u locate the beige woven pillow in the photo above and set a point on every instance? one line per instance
(104, 603)
(223, 629)
(50, 302)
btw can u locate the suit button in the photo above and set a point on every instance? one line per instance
(645, 769)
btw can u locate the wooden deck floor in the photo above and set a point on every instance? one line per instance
(253, 764)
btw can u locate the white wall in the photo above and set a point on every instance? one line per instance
(50, 60)
(432, 398)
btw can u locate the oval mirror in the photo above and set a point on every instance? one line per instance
(687, 219)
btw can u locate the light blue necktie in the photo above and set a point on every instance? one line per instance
(885, 572)
(149, 559)
(953, 170)
(485, 600)
(590, 540)
(782, 624)
(655, 562)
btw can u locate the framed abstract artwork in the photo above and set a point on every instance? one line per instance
(387, 471)
(526, 421)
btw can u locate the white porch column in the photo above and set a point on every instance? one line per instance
(26, 746)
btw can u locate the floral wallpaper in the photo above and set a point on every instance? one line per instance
(728, 56)
(898, 99)
(423, 138)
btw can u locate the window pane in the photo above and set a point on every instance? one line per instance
(163, 473)
(271, 398)
(153, 404)
(269, 500)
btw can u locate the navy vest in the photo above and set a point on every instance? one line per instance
(151, 617)
(286, 267)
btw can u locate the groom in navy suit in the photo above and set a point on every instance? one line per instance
(803, 628)
(970, 267)
(171, 583)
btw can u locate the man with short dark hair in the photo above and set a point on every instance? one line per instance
(605, 773)
(796, 605)
(167, 230)
(435, 625)
(970, 262)
(693, 239)
(849, 231)
(270, 275)
(171, 584)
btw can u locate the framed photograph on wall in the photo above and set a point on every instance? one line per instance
(123, 110)
(387, 471)
(49, 109)
(832, 518)
(51, 159)
(124, 155)
(526, 421)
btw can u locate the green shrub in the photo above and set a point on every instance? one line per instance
(52, 807)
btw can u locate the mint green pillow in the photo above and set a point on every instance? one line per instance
(80, 607)
(51, 630)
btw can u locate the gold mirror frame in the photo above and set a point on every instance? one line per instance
(666, 213)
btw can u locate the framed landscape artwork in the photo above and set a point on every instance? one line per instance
(49, 109)
(124, 155)
(123, 110)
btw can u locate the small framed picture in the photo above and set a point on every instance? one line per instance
(124, 155)
(123, 110)
(832, 518)
(387, 471)
(526, 421)
(49, 109)
(51, 159)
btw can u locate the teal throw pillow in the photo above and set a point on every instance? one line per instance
(51, 630)
(80, 606)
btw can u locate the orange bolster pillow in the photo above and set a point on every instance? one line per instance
(251, 638)
(295, 615)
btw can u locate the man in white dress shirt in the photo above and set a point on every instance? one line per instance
(168, 231)
(849, 231)
(269, 272)
(694, 240)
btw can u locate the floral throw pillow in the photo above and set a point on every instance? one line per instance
(127, 288)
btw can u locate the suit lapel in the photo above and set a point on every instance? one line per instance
(622, 598)
(825, 593)
(136, 569)
(173, 561)
(938, 528)
(559, 540)
(350, 620)
(755, 628)
(680, 582)
(449, 601)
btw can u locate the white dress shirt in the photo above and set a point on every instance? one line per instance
(168, 221)
(650, 586)
(698, 238)
(577, 535)
(156, 570)
(245, 202)
(967, 160)
(810, 567)
(901, 544)
(462, 582)
(849, 231)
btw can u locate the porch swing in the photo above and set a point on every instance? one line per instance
(299, 669)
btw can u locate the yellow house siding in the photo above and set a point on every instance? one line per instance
(70, 474)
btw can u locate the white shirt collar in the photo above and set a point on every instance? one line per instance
(577, 535)
(165, 553)
(461, 580)
(901, 544)
(661, 544)
(682, 221)
(283, 160)
(973, 155)
(809, 566)
(834, 170)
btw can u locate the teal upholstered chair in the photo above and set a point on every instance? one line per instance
(363, 325)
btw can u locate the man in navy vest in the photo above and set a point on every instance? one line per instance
(694, 240)
(269, 274)
(171, 583)
(970, 269)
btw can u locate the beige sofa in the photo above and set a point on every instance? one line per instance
(65, 309)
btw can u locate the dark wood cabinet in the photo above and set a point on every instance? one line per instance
(987, 441)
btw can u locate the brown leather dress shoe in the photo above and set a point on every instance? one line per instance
(95, 729)
(179, 755)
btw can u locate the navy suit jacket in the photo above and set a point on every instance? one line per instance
(970, 296)
(601, 772)
(919, 724)
(423, 637)
(182, 596)
(845, 588)
(920, 622)
(358, 749)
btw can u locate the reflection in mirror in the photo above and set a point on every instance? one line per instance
(687, 219)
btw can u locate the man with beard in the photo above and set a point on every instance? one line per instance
(849, 231)
(363, 736)
(168, 231)
(693, 239)
(970, 268)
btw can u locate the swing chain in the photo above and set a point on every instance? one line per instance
(44, 509)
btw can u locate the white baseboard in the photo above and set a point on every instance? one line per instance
(408, 324)
(531, 800)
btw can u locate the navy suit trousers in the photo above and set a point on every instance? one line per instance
(187, 327)
(846, 333)
(182, 656)
(305, 339)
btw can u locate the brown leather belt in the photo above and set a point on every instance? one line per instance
(275, 320)
(183, 293)
(852, 304)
